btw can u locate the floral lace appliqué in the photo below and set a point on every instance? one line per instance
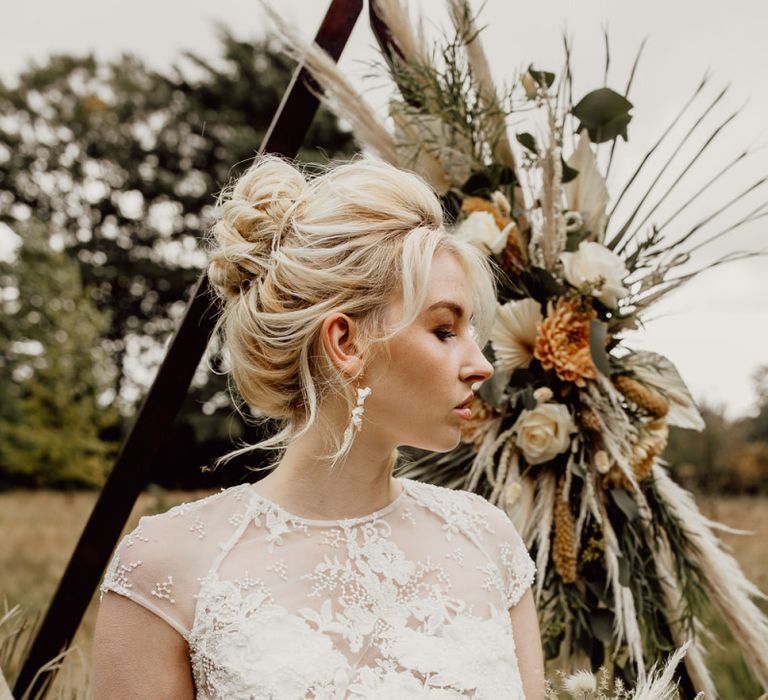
(409, 603)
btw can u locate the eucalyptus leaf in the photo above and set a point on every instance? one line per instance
(625, 502)
(451, 202)
(527, 141)
(611, 130)
(502, 175)
(624, 570)
(569, 173)
(542, 280)
(529, 402)
(522, 377)
(542, 77)
(477, 183)
(489, 353)
(573, 239)
(597, 334)
(598, 588)
(604, 113)
(601, 622)
(483, 183)
(492, 389)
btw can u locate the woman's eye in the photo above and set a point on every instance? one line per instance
(443, 334)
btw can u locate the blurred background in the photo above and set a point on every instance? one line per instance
(119, 124)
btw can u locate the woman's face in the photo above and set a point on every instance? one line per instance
(434, 364)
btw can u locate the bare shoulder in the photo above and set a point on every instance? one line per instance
(138, 655)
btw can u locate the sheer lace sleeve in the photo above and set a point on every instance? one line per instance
(141, 570)
(517, 568)
(160, 563)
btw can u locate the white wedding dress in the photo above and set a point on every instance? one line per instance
(408, 602)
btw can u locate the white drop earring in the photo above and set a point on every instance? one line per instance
(356, 424)
(357, 411)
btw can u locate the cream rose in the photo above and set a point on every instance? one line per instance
(544, 432)
(592, 264)
(480, 229)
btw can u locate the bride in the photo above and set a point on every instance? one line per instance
(354, 318)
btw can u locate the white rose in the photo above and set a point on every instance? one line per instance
(593, 263)
(480, 229)
(544, 432)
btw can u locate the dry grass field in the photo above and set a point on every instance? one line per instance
(38, 531)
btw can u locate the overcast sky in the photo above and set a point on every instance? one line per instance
(716, 328)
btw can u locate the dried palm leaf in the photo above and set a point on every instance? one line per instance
(730, 591)
(612, 243)
(671, 188)
(619, 237)
(694, 660)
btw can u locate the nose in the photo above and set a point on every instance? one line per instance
(478, 368)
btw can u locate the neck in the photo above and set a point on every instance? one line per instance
(359, 484)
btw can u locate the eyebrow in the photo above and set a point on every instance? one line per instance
(457, 310)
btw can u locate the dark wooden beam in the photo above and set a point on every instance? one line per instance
(130, 473)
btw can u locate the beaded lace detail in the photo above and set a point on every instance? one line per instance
(408, 602)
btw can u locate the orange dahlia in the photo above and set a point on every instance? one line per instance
(562, 342)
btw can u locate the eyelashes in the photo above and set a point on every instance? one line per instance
(444, 334)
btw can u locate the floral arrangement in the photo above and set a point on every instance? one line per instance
(567, 436)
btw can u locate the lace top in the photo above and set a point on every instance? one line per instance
(408, 602)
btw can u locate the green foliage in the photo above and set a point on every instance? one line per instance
(124, 162)
(121, 165)
(442, 96)
(544, 78)
(482, 183)
(604, 114)
(51, 372)
(527, 140)
(597, 336)
(569, 173)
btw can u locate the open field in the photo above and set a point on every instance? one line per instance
(38, 531)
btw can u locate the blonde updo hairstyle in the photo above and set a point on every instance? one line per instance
(289, 249)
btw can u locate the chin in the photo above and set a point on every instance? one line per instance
(451, 442)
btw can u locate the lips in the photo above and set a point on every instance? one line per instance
(466, 402)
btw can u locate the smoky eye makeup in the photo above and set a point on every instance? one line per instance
(444, 332)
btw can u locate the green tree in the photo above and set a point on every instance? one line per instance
(50, 371)
(121, 163)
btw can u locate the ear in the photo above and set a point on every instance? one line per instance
(338, 334)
